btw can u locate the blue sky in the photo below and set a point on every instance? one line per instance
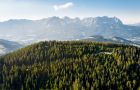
(127, 10)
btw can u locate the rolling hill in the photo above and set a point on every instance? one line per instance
(76, 65)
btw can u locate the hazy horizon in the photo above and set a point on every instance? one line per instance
(125, 10)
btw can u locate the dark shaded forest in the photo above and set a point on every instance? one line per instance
(71, 65)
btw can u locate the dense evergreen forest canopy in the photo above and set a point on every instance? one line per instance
(71, 65)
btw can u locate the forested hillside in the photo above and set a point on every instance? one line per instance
(71, 65)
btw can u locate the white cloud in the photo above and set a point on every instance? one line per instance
(63, 6)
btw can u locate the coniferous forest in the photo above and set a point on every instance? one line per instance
(71, 65)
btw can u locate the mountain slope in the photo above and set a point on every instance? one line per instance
(48, 51)
(116, 40)
(55, 28)
(8, 46)
(137, 24)
(71, 65)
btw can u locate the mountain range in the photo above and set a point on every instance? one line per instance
(55, 28)
(102, 29)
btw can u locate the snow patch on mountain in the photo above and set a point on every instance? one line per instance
(55, 28)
